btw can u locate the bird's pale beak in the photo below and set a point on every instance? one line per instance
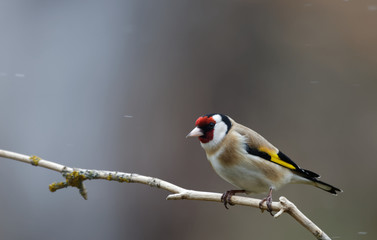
(196, 132)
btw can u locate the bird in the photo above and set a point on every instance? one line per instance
(248, 161)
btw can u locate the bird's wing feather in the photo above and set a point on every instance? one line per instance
(257, 145)
(278, 158)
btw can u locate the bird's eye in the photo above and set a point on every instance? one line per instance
(211, 124)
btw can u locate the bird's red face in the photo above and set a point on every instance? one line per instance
(204, 129)
(211, 129)
(207, 125)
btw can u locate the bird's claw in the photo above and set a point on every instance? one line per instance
(226, 197)
(268, 201)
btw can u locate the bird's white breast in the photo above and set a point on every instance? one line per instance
(247, 175)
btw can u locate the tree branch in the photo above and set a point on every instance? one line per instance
(75, 177)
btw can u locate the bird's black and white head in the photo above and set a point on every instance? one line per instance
(211, 129)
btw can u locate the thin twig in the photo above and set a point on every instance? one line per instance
(75, 177)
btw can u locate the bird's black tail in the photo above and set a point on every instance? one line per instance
(319, 184)
(327, 187)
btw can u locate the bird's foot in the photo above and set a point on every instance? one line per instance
(225, 198)
(268, 201)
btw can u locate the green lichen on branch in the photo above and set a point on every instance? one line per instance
(109, 177)
(35, 160)
(123, 179)
(117, 177)
(73, 179)
(77, 177)
(56, 186)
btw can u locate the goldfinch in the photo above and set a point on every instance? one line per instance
(247, 160)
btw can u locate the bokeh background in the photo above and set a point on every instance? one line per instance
(117, 85)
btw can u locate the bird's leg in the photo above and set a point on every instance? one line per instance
(225, 198)
(268, 201)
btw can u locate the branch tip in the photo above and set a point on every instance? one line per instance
(56, 186)
(178, 196)
(83, 191)
(281, 211)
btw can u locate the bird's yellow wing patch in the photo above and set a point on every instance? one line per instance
(279, 158)
(270, 155)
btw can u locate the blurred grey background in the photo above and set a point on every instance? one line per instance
(301, 73)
